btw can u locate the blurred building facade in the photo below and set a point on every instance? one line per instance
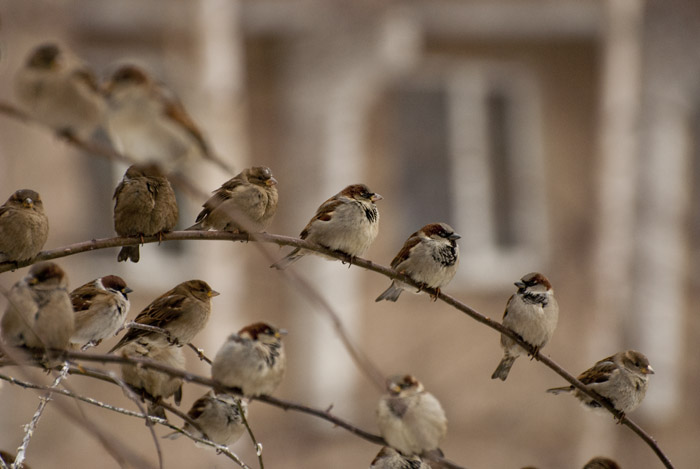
(559, 136)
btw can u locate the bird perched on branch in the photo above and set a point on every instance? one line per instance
(218, 418)
(429, 256)
(532, 312)
(149, 383)
(144, 205)
(244, 203)
(39, 313)
(253, 360)
(389, 458)
(347, 223)
(100, 309)
(148, 123)
(410, 419)
(181, 312)
(622, 379)
(24, 227)
(57, 89)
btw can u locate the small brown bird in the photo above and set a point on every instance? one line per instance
(245, 203)
(389, 458)
(348, 222)
(429, 256)
(39, 313)
(622, 379)
(532, 312)
(144, 205)
(410, 419)
(100, 309)
(218, 416)
(601, 463)
(182, 312)
(24, 227)
(149, 124)
(252, 360)
(57, 89)
(151, 384)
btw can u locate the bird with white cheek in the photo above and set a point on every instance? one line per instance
(429, 256)
(148, 123)
(622, 379)
(60, 91)
(532, 312)
(100, 309)
(39, 313)
(389, 458)
(24, 227)
(347, 223)
(244, 203)
(410, 419)
(218, 418)
(253, 360)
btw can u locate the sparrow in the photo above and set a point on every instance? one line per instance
(144, 205)
(100, 309)
(149, 124)
(622, 379)
(182, 312)
(24, 227)
(347, 223)
(39, 313)
(253, 360)
(218, 418)
(410, 419)
(429, 256)
(150, 384)
(58, 90)
(532, 313)
(601, 463)
(250, 198)
(389, 458)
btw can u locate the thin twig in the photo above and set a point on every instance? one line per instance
(256, 444)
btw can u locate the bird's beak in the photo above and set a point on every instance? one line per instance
(520, 284)
(648, 370)
(34, 281)
(375, 197)
(213, 293)
(271, 182)
(454, 236)
(126, 290)
(29, 203)
(280, 333)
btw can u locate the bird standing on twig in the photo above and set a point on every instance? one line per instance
(24, 227)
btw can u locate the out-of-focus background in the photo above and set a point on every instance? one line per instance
(559, 136)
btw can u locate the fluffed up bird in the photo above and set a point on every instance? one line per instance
(149, 383)
(218, 418)
(144, 205)
(532, 313)
(148, 123)
(182, 312)
(601, 463)
(410, 419)
(39, 313)
(24, 227)
(244, 203)
(100, 309)
(429, 256)
(622, 379)
(348, 223)
(389, 458)
(253, 360)
(60, 91)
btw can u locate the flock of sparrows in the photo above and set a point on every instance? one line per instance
(150, 125)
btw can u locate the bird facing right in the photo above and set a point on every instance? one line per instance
(410, 419)
(430, 257)
(253, 360)
(246, 202)
(532, 312)
(389, 458)
(144, 205)
(24, 227)
(347, 223)
(622, 379)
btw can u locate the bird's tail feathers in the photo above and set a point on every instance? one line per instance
(504, 367)
(288, 260)
(390, 294)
